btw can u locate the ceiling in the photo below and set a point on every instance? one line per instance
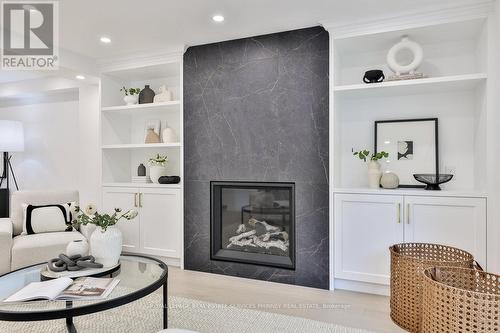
(161, 25)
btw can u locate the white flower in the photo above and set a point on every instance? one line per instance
(131, 214)
(91, 209)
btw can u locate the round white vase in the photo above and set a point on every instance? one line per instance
(156, 171)
(389, 180)
(131, 99)
(106, 246)
(374, 174)
(80, 246)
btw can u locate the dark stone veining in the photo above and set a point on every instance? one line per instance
(256, 109)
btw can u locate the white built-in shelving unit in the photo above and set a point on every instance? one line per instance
(457, 44)
(158, 230)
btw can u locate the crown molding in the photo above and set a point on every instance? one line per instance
(140, 60)
(468, 10)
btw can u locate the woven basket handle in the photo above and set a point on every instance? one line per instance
(477, 266)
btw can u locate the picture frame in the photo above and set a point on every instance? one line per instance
(412, 145)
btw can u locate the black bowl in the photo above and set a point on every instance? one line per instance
(433, 180)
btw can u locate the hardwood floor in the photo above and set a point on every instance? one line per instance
(345, 308)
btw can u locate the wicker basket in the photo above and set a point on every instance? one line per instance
(460, 300)
(408, 260)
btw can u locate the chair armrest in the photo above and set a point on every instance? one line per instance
(87, 230)
(5, 244)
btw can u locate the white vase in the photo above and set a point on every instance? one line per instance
(389, 180)
(374, 174)
(168, 135)
(131, 99)
(80, 246)
(156, 171)
(106, 246)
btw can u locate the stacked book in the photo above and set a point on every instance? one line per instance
(141, 179)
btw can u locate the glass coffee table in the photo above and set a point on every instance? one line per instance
(139, 276)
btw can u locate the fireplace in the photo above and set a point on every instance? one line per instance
(253, 222)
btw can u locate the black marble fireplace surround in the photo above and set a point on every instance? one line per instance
(256, 110)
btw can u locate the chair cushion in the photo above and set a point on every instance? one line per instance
(37, 248)
(35, 198)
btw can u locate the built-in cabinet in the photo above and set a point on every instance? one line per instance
(156, 229)
(367, 224)
(459, 90)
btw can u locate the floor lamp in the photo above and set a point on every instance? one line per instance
(11, 140)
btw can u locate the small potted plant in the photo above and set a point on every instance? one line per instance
(374, 169)
(157, 167)
(106, 240)
(131, 95)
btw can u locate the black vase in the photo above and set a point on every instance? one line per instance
(146, 95)
(374, 76)
(141, 170)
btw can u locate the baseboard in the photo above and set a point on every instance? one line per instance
(362, 287)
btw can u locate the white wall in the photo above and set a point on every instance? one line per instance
(89, 177)
(50, 159)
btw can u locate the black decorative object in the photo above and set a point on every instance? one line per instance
(374, 76)
(146, 95)
(433, 180)
(141, 170)
(412, 145)
(169, 180)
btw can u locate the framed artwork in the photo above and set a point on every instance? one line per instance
(412, 145)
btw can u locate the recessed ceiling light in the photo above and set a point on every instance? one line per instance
(105, 40)
(218, 18)
(80, 77)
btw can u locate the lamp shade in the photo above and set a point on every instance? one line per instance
(11, 136)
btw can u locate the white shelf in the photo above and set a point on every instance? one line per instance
(412, 87)
(142, 145)
(148, 185)
(148, 106)
(413, 192)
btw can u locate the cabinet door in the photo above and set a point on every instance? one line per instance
(365, 227)
(161, 229)
(458, 222)
(124, 198)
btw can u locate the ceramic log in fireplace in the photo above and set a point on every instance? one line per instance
(253, 222)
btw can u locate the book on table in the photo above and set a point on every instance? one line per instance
(65, 288)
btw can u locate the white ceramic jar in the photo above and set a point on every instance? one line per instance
(106, 246)
(79, 246)
(374, 174)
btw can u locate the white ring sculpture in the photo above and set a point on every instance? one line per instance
(414, 48)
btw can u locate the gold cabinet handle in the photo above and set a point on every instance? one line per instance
(140, 200)
(407, 213)
(135, 199)
(399, 212)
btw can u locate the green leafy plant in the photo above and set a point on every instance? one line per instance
(158, 160)
(131, 91)
(92, 216)
(363, 155)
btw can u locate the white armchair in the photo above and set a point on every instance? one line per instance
(16, 250)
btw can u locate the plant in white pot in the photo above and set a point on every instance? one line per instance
(131, 95)
(157, 167)
(106, 240)
(374, 169)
